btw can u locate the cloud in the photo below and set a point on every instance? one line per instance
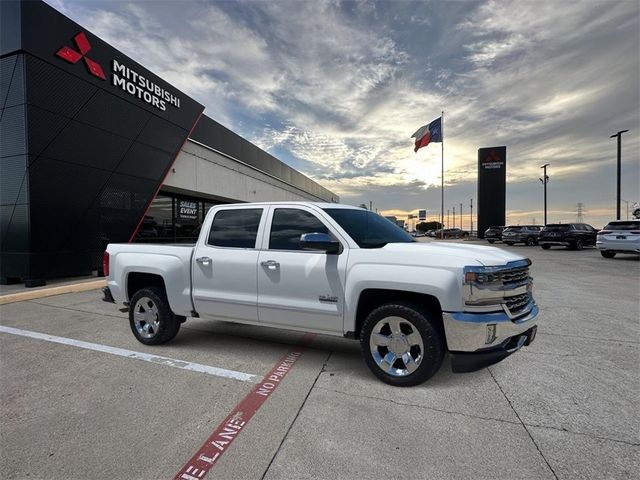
(336, 88)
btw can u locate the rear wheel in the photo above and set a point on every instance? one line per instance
(491, 241)
(577, 245)
(152, 321)
(530, 241)
(607, 253)
(509, 243)
(545, 246)
(402, 344)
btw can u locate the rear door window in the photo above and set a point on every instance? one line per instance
(235, 228)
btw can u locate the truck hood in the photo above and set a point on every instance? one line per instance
(462, 254)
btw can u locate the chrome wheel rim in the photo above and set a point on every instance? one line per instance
(396, 346)
(146, 318)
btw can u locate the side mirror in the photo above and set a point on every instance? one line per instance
(319, 241)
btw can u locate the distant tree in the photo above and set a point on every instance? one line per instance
(426, 226)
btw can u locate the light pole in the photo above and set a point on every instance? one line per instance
(619, 135)
(448, 218)
(545, 180)
(461, 227)
(454, 217)
(471, 215)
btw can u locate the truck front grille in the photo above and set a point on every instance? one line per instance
(518, 303)
(514, 276)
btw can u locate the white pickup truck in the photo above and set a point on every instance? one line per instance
(334, 270)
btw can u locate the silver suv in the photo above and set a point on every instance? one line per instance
(527, 234)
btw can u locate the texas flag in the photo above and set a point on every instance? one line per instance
(428, 133)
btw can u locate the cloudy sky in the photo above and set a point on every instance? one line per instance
(335, 89)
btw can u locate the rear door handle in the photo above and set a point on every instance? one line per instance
(270, 264)
(203, 260)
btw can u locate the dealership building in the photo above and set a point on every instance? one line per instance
(94, 149)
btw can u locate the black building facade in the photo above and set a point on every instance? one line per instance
(87, 138)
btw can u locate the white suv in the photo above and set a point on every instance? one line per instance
(619, 236)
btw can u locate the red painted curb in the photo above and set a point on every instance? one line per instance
(225, 433)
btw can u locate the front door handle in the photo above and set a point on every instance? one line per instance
(203, 260)
(270, 264)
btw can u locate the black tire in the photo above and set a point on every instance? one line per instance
(491, 241)
(577, 244)
(530, 242)
(163, 324)
(511, 244)
(413, 319)
(607, 253)
(545, 246)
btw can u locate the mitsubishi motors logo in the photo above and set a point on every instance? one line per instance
(73, 56)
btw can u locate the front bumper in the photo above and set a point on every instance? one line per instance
(463, 362)
(473, 332)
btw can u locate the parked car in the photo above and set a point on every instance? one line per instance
(619, 236)
(571, 235)
(527, 234)
(335, 270)
(493, 234)
(451, 233)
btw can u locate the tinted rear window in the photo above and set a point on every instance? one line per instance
(557, 228)
(237, 228)
(631, 225)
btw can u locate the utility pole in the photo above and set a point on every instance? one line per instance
(370, 206)
(545, 180)
(471, 215)
(454, 217)
(460, 215)
(619, 169)
(627, 202)
(447, 218)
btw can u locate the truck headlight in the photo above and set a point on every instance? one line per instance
(489, 288)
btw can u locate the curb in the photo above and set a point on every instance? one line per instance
(50, 292)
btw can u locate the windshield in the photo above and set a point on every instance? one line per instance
(631, 225)
(513, 229)
(368, 229)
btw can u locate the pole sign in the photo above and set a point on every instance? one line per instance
(492, 175)
(422, 214)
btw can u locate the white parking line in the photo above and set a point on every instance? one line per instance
(170, 362)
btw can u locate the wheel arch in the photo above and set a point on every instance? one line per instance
(139, 280)
(372, 298)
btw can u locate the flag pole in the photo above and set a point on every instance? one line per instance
(442, 179)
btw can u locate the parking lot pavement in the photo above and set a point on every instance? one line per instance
(565, 407)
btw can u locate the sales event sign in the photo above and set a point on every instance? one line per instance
(187, 211)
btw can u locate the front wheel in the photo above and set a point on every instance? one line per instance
(491, 241)
(545, 246)
(530, 242)
(607, 253)
(150, 317)
(577, 245)
(511, 244)
(402, 344)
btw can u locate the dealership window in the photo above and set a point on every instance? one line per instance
(173, 219)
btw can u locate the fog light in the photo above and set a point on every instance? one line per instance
(491, 333)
